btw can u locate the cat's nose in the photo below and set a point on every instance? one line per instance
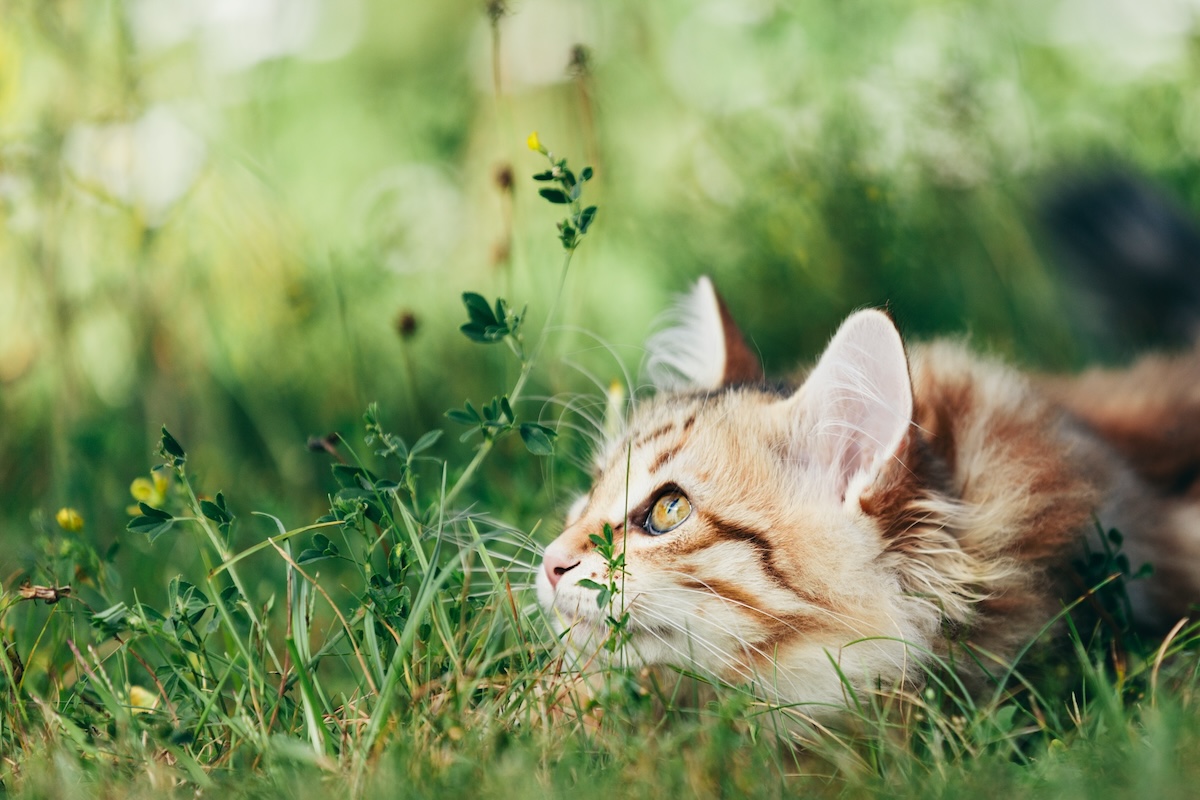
(557, 563)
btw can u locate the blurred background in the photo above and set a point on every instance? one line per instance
(247, 219)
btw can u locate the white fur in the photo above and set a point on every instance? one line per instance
(689, 353)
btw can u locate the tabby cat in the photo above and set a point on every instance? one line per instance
(900, 504)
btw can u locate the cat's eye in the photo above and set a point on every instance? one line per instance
(668, 513)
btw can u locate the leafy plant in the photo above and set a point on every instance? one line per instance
(608, 592)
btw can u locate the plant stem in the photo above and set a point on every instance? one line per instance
(526, 369)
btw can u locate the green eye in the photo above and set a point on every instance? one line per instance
(668, 513)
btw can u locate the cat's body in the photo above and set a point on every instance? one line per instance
(898, 506)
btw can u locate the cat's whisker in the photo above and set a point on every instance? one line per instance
(692, 637)
(739, 641)
(592, 431)
(851, 623)
(845, 620)
(607, 347)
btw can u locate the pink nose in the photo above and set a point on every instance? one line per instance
(557, 563)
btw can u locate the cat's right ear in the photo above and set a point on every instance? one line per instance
(701, 347)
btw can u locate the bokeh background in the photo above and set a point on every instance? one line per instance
(215, 213)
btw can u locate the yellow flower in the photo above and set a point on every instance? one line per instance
(151, 491)
(535, 143)
(141, 700)
(69, 520)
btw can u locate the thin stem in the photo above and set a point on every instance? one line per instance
(224, 555)
(526, 369)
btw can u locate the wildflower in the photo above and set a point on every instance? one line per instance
(535, 143)
(151, 491)
(69, 519)
(141, 701)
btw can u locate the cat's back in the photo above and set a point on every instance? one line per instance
(1038, 476)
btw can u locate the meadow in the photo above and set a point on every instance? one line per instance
(304, 340)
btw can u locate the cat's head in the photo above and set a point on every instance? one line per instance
(752, 519)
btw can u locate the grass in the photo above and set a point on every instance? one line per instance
(356, 619)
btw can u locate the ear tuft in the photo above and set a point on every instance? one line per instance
(855, 408)
(701, 346)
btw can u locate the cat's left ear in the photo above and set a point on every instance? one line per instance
(851, 416)
(701, 347)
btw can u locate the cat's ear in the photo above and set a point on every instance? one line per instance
(701, 347)
(852, 414)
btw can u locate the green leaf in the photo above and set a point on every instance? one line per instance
(364, 499)
(150, 526)
(171, 449)
(567, 237)
(557, 196)
(349, 477)
(215, 512)
(586, 174)
(538, 439)
(112, 619)
(321, 548)
(484, 334)
(548, 175)
(186, 600)
(458, 415)
(568, 177)
(585, 218)
(1004, 717)
(151, 511)
(478, 309)
(588, 583)
(425, 442)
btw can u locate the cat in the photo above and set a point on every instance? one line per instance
(901, 505)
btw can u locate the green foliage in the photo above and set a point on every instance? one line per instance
(486, 325)
(607, 592)
(572, 229)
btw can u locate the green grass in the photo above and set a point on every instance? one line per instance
(367, 628)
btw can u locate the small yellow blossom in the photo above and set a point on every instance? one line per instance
(141, 700)
(69, 520)
(535, 143)
(151, 491)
